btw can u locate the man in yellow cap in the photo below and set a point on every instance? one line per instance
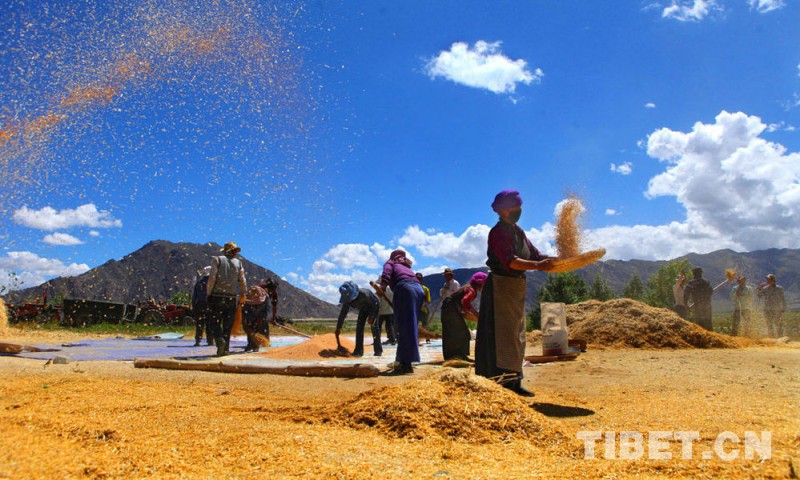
(225, 283)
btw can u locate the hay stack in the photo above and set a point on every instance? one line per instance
(451, 404)
(623, 322)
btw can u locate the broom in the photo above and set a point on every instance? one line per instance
(261, 339)
(3, 318)
(730, 275)
(236, 329)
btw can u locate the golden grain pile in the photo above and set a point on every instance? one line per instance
(568, 228)
(316, 348)
(623, 322)
(451, 404)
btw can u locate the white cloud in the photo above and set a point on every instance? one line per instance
(292, 277)
(468, 249)
(659, 242)
(764, 6)
(49, 219)
(776, 127)
(349, 255)
(355, 262)
(62, 239)
(32, 270)
(482, 66)
(611, 212)
(649, 105)
(623, 169)
(94, 233)
(691, 10)
(740, 188)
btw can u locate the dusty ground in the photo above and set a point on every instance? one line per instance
(107, 419)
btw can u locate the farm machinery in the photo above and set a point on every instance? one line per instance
(160, 313)
(34, 312)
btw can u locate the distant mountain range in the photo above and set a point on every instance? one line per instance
(161, 269)
(784, 263)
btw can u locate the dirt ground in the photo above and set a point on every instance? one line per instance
(110, 420)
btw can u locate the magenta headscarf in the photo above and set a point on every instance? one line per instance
(399, 256)
(478, 279)
(505, 200)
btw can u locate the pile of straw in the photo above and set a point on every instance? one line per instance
(451, 404)
(623, 322)
(568, 228)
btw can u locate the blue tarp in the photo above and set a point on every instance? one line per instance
(127, 349)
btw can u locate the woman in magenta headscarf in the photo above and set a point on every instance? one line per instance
(456, 309)
(406, 302)
(500, 341)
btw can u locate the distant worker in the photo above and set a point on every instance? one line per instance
(774, 306)
(386, 316)
(226, 283)
(407, 301)
(424, 318)
(200, 308)
(500, 340)
(697, 295)
(450, 286)
(677, 291)
(456, 309)
(742, 295)
(255, 317)
(366, 302)
(271, 286)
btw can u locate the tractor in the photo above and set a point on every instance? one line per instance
(33, 312)
(160, 313)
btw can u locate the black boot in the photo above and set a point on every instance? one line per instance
(516, 387)
(221, 347)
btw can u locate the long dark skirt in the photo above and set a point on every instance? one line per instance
(455, 333)
(407, 302)
(255, 319)
(485, 351)
(485, 345)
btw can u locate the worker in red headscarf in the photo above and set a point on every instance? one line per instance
(456, 309)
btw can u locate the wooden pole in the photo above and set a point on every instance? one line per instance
(358, 370)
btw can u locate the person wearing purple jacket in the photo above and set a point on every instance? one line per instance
(500, 340)
(407, 302)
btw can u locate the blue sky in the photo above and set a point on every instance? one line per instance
(321, 135)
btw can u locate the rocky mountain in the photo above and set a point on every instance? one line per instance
(159, 270)
(784, 263)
